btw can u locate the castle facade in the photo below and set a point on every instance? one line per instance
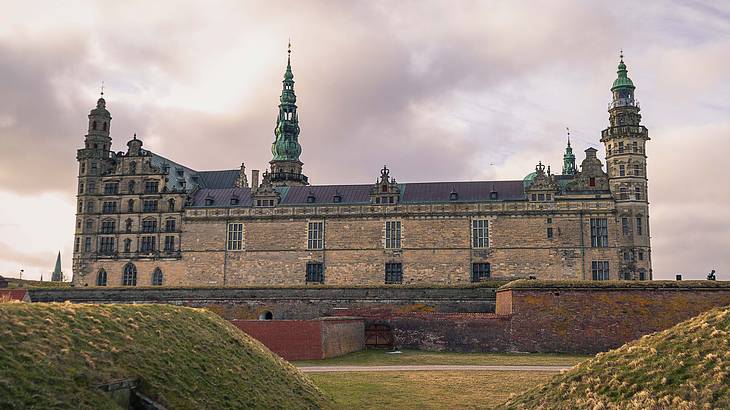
(145, 220)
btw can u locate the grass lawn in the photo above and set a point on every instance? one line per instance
(425, 390)
(379, 357)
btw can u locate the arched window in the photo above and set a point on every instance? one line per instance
(103, 127)
(127, 245)
(157, 277)
(101, 278)
(132, 168)
(129, 276)
(130, 205)
(171, 205)
(131, 187)
(128, 225)
(93, 125)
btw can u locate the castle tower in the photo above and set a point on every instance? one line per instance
(57, 275)
(625, 143)
(93, 158)
(569, 160)
(286, 168)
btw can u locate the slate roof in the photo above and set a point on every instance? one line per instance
(218, 179)
(418, 192)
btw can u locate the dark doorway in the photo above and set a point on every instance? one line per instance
(378, 335)
(266, 315)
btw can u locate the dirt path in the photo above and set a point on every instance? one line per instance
(430, 368)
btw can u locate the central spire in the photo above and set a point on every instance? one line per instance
(569, 158)
(286, 168)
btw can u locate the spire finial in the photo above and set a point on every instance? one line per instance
(622, 55)
(568, 130)
(135, 136)
(288, 49)
(102, 88)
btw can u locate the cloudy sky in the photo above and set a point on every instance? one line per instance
(438, 90)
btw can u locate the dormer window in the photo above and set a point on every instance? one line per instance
(493, 195)
(592, 181)
(234, 201)
(453, 196)
(311, 198)
(209, 201)
(337, 198)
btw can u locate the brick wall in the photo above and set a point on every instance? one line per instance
(590, 320)
(307, 339)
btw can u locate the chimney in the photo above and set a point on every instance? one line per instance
(254, 178)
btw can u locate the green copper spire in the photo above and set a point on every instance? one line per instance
(623, 80)
(569, 159)
(286, 144)
(57, 275)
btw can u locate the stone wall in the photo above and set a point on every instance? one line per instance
(291, 302)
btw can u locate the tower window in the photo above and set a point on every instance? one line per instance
(91, 188)
(599, 270)
(315, 272)
(392, 234)
(89, 225)
(550, 233)
(641, 255)
(235, 237)
(149, 225)
(148, 244)
(637, 170)
(101, 278)
(77, 244)
(106, 245)
(623, 193)
(127, 245)
(83, 168)
(103, 126)
(592, 181)
(130, 205)
(599, 232)
(169, 244)
(129, 276)
(637, 192)
(393, 273)
(149, 206)
(625, 226)
(81, 187)
(151, 187)
(622, 170)
(621, 147)
(111, 188)
(479, 233)
(131, 186)
(480, 271)
(634, 147)
(132, 168)
(157, 277)
(315, 235)
(109, 207)
(107, 226)
(171, 205)
(639, 228)
(170, 225)
(87, 244)
(93, 125)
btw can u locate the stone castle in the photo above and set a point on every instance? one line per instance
(145, 220)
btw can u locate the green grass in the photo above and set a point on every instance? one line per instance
(684, 367)
(425, 390)
(378, 357)
(51, 356)
(35, 284)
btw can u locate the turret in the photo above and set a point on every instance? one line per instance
(569, 160)
(625, 142)
(286, 168)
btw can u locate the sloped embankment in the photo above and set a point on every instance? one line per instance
(51, 356)
(684, 367)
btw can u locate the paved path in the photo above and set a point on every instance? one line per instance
(417, 368)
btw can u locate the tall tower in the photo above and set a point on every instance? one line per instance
(286, 168)
(93, 159)
(625, 142)
(569, 160)
(57, 275)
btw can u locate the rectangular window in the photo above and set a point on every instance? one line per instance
(149, 205)
(480, 271)
(151, 187)
(107, 226)
(90, 206)
(592, 181)
(109, 207)
(599, 270)
(148, 244)
(639, 228)
(81, 206)
(641, 255)
(91, 188)
(392, 234)
(637, 170)
(637, 192)
(315, 272)
(169, 244)
(87, 244)
(625, 226)
(77, 244)
(83, 167)
(111, 188)
(127, 245)
(106, 245)
(393, 273)
(315, 235)
(634, 146)
(622, 170)
(621, 147)
(550, 233)
(149, 226)
(170, 225)
(599, 232)
(235, 237)
(81, 187)
(479, 233)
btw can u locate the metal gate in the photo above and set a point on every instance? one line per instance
(378, 335)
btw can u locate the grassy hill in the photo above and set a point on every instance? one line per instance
(684, 367)
(14, 283)
(51, 355)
